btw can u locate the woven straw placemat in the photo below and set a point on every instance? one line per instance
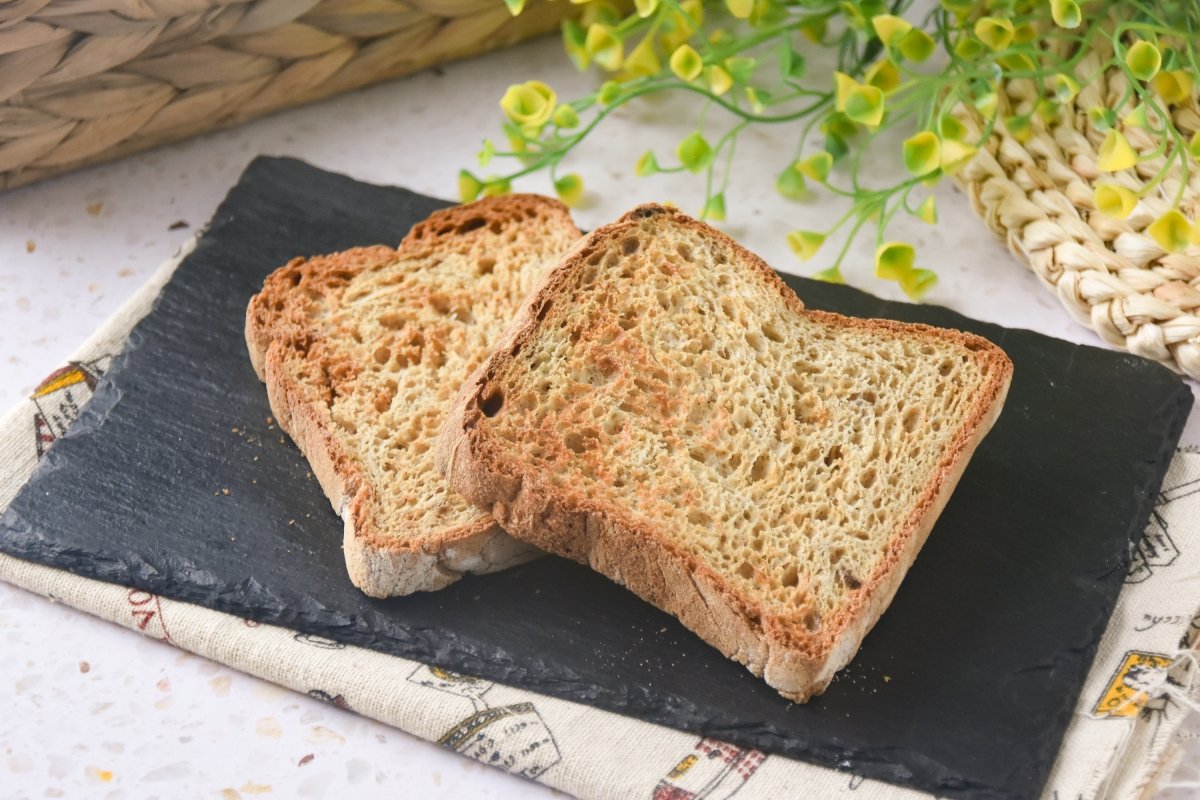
(83, 81)
(1109, 274)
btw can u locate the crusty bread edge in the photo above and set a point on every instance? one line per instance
(637, 556)
(382, 567)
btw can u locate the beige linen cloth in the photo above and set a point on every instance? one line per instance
(1121, 741)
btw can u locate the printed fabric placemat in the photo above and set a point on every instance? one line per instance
(1119, 744)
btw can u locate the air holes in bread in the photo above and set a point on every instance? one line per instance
(491, 405)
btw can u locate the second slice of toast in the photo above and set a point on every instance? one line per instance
(665, 410)
(362, 352)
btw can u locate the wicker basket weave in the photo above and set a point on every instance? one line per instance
(1109, 274)
(83, 81)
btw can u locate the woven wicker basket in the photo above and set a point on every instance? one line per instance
(83, 81)
(1110, 274)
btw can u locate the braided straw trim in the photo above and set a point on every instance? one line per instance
(1109, 274)
(83, 81)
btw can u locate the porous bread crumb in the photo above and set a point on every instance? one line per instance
(370, 347)
(667, 386)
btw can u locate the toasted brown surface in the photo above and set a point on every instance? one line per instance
(665, 410)
(362, 352)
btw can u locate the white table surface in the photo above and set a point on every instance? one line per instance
(93, 710)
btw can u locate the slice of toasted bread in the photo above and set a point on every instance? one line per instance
(363, 351)
(664, 410)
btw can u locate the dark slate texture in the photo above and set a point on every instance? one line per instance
(964, 688)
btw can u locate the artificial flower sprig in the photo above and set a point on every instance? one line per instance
(941, 74)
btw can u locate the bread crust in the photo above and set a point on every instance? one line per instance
(278, 329)
(796, 662)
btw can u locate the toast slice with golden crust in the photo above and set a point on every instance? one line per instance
(362, 352)
(664, 409)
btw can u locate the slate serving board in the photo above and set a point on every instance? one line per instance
(965, 687)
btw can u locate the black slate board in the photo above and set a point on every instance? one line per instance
(984, 649)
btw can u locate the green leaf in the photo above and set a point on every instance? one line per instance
(883, 75)
(791, 64)
(469, 186)
(695, 153)
(605, 48)
(741, 68)
(486, 152)
(608, 93)
(515, 7)
(565, 117)
(1065, 87)
(814, 28)
(837, 146)
(1143, 60)
(1102, 117)
(865, 104)
(805, 243)
(927, 211)
(646, 165)
(951, 128)
(893, 260)
(1019, 126)
(922, 153)
(1066, 13)
(995, 32)
(574, 36)
(816, 167)
(645, 8)
(767, 12)
(714, 209)
(686, 63)
(917, 283)
(740, 8)
(642, 61)
(569, 189)
(968, 49)
(1194, 146)
(917, 45)
(495, 187)
(888, 27)
(719, 80)
(759, 99)
(830, 275)
(790, 183)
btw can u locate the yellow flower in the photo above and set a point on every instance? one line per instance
(883, 75)
(719, 80)
(469, 186)
(1116, 153)
(888, 27)
(642, 60)
(1175, 86)
(922, 153)
(569, 189)
(996, 32)
(529, 104)
(740, 8)
(805, 243)
(893, 260)
(686, 63)
(955, 154)
(604, 47)
(1171, 231)
(1114, 201)
(927, 212)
